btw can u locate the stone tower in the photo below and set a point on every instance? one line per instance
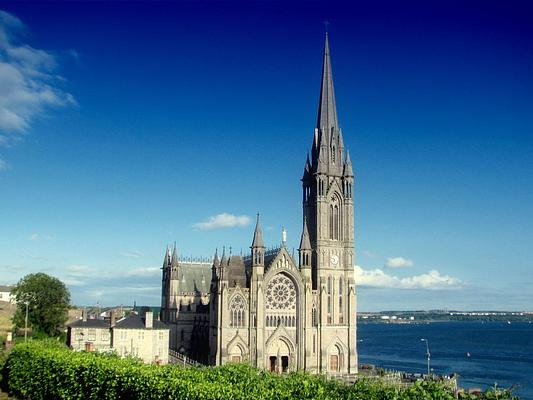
(328, 212)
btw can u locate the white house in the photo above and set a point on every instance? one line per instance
(5, 293)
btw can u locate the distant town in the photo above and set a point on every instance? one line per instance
(422, 316)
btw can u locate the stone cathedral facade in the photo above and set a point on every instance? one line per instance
(269, 309)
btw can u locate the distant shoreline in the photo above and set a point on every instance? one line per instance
(414, 317)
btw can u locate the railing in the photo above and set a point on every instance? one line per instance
(175, 357)
(395, 378)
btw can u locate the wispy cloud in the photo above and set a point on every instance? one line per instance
(72, 281)
(39, 236)
(223, 220)
(430, 280)
(369, 254)
(147, 271)
(398, 262)
(132, 254)
(80, 270)
(29, 84)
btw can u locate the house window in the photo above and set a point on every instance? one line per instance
(92, 335)
(104, 336)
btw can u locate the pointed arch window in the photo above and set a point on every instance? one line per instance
(334, 219)
(341, 292)
(237, 311)
(331, 223)
(336, 222)
(329, 292)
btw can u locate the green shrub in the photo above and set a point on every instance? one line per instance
(47, 370)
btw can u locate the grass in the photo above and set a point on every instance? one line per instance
(7, 310)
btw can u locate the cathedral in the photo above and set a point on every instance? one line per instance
(268, 308)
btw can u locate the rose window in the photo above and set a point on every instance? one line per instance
(281, 294)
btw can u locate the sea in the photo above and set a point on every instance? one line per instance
(483, 354)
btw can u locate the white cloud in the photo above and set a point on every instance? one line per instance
(369, 254)
(4, 166)
(29, 84)
(72, 282)
(148, 271)
(398, 262)
(38, 236)
(223, 220)
(132, 254)
(430, 280)
(80, 270)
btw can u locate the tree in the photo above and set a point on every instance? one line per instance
(47, 301)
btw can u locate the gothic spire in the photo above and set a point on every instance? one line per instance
(307, 169)
(223, 260)
(174, 261)
(216, 262)
(348, 171)
(166, 260)
(305, 243)
(327, 111)
(258, 235)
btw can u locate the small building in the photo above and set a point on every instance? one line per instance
(132, 335)
(89, 335)
(5, 294)
(145, 338)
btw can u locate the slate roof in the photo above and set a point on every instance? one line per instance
(236, 272)
(134, 321)
(90, 323)
(6, 288)
(194, 277)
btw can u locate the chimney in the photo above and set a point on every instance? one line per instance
(112, 318)
(149, 320)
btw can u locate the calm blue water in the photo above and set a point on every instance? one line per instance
(499, 352)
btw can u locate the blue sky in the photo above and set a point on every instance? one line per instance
(127, 126)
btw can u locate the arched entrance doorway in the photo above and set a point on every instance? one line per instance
(279, 356)
(335, 359)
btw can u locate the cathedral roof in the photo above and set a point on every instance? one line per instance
(236, 272)
(194, 277)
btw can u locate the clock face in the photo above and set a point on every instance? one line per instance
(334, 259)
